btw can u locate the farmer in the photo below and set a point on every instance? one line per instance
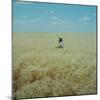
(61, 44)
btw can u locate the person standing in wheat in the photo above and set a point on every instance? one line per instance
(61, 43)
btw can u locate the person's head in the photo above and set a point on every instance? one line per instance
(60, 39)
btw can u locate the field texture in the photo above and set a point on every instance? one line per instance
(40, 69)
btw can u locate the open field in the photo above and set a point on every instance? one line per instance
(41, 70)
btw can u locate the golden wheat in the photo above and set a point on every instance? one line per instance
(41, 70)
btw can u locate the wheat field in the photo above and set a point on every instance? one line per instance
(40, 69)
